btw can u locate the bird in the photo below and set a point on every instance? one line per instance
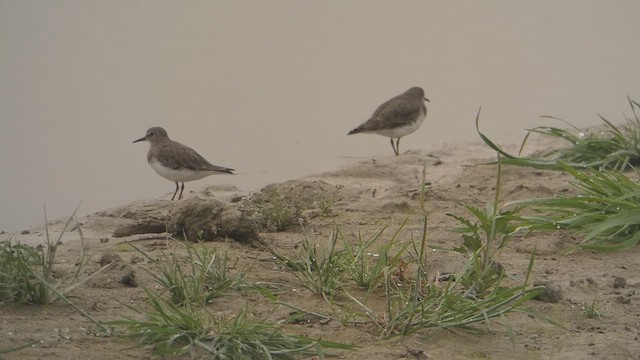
(177, 162)
(397, 117)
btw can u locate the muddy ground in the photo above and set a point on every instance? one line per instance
(378, 193)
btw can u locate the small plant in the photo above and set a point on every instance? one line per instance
(423, 306)
(365, 266)
(17, 282)
(592, 310)
(483, 239)
(325, 201)
(319, 269)
(27, 274)
(608, 147)
(277, 207)
(474, 294)
(192, 330)
(414, 304)
(198, 277)
(272, 211)
(606, 212)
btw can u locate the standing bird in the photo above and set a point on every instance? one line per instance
(177, 162)
(397, 117)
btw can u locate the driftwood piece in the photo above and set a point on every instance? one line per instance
(142, 227)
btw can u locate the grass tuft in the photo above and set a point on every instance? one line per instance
(474, 294)
(278, 207)
(592, 310)
(611, 147)
(606, 212)
(412, 301)
(197, 278)
(320, 269)
(366, 266)
(27, 274)
(191, 329)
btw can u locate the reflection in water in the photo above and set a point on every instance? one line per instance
(272, 87)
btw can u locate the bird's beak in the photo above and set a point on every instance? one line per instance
(427, 100)
(141, 139)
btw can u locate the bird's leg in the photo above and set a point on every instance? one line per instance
(181, 190)
(398, 147)
(393, 147)
(174, 194)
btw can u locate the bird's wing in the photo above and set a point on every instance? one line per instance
(393, 113)
(189, 159)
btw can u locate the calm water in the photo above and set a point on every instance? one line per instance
(272, 87)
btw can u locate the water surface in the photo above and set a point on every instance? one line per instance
(272, 88)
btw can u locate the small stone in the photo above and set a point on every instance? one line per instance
(591, 281)
(25, 232)
(619, 282)
(551, 293)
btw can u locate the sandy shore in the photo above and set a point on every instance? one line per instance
(369, 196)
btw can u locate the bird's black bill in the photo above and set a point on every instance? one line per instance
(427, 100)
(141, 139)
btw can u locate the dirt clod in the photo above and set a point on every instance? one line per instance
(623, 299)
(619, 282)
(551, 293)
(129, 280)
(108, 258)
(209, 219)
(414, 351)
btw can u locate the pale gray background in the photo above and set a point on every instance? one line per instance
(272, 87)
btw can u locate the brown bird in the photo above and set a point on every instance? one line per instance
(177, 162)
(397, 117)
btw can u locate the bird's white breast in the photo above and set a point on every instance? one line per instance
(404, 130)
(181, 175)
